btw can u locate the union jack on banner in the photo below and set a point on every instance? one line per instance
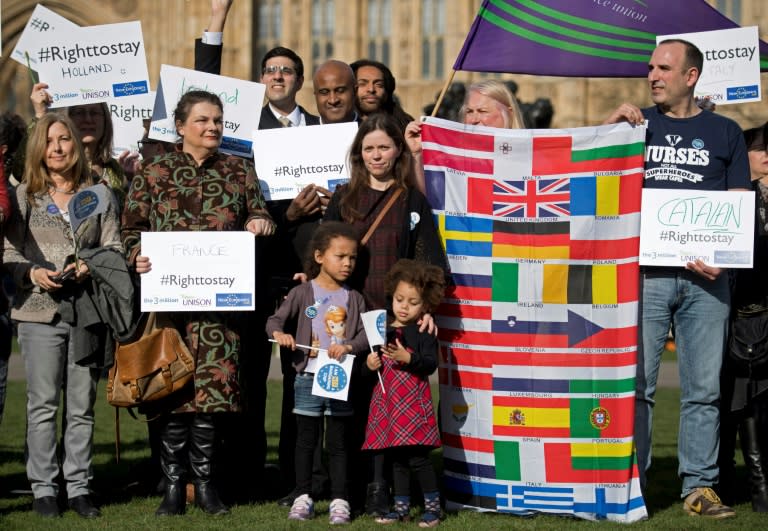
(544, 198)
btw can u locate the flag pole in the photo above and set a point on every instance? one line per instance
(442, 93)
(381, 381)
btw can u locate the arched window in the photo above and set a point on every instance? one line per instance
(323, 15)
(433, 39)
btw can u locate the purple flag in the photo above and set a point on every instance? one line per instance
(610, 38)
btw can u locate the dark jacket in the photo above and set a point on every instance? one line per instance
(101, 309)
(420, 241)
(268, 120)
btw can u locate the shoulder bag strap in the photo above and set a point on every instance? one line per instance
(381, 215)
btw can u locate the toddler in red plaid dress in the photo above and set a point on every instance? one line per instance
(401, 418)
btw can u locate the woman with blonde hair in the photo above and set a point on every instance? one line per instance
(492, 104)
(60, 356)
(489, 103)
(93, 124)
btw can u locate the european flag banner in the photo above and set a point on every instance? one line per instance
(539, 329)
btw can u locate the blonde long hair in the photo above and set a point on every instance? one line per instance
(36, 173)
(498, 91)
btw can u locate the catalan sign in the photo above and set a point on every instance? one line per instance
(681, 226)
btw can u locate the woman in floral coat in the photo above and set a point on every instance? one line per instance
(196, 188)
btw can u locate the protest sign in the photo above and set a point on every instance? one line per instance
(241, 99)
(731, 72)
(128, 117)
(39, 32)
(332, 378)
(86, 203)
(681, 226)
(198, 271)
(94, 64)
(289, 158)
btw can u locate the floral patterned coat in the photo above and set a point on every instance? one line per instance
(173, 194)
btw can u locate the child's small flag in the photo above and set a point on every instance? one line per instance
(375, 323)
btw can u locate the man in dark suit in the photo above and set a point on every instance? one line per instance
(282, 72)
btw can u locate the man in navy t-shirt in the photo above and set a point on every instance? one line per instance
(686, 147)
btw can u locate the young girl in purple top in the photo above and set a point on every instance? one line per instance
(316, 307)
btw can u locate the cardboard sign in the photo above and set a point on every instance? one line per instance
(198, 271)
(39, 32)
(681, 226)
(332, 378)
(94, 64)
(731, 72)
(241, 99)
(128, 117)
(289, 158)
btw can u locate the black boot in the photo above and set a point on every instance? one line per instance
(727, 486)
(203, 441)
(750, 447)
(377, 499)
(173, 443)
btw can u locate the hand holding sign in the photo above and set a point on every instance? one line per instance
(375, 324)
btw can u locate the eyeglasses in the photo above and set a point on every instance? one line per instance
(274, 69)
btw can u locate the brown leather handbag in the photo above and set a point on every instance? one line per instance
(152, 366)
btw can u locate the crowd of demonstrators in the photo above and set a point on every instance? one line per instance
(696, 298)
(282, 73)
(744, 378)
(395, 221)
(63, 351)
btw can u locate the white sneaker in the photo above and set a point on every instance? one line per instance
(303, 508)
(339, 512)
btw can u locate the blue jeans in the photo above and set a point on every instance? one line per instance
(316, 406)
(698, 308)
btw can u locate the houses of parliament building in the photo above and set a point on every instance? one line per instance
(419, 40)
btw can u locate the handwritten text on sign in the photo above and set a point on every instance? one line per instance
(681, 226)
(198, 271)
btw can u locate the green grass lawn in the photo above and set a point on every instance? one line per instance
(127, 512)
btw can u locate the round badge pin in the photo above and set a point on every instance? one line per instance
(311, 312)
